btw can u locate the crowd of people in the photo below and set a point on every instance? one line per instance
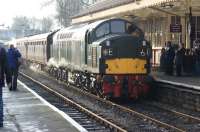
(183, 61)
(9, 64)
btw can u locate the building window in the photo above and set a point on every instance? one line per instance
(195, 25)
(175, 37)
(175, 20)
(154, 31)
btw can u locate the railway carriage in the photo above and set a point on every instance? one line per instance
(36, 48)
(108, 57)
(20, 43)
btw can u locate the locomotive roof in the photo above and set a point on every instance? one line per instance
(79, 30)
(82, 26)
(91, 25)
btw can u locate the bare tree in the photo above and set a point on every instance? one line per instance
(67, 8)
(46, 24)
(34, 23)
(24, 26)
(35, 26)
(20, 26)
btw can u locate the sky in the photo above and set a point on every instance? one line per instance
(30, 8)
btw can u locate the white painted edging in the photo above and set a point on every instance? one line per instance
(65, 116)
(179, 84)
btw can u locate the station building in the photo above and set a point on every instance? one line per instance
(177, 21)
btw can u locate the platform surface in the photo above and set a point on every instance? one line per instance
(187, 80)
(25, 112)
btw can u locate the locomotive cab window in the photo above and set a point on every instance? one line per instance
(102, 30)
(134, 30)
(118, 27)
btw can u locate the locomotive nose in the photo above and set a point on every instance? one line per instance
(124, 56)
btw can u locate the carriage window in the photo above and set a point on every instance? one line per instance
(102, 30)
(117, 27)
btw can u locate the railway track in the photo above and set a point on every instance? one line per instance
(142, 117)
(87, 119)
(172, 117)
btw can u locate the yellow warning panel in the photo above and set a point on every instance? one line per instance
(126, 66)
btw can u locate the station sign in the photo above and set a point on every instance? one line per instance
(175, 28)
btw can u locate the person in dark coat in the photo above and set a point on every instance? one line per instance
(188, 62)
(179, 60)
(197, 61)
(162, 60)
(2, 84)
(193, 60)
(13, 56)
(169, 57)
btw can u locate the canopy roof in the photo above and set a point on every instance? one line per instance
(107, 8)
(180, 7)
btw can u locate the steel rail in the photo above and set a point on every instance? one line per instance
(165, 125)
(131, 111)
(178, 113)
(186, 115)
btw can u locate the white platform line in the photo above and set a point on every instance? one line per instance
(65, 116)
(179, 84)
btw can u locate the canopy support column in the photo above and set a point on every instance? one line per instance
(188, 17)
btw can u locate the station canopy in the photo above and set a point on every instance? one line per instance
(142, 8)
(180, 7)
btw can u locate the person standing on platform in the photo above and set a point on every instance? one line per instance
(162, 60)
(169, 57)
(197, 60)
(13, 56)
(2, 84)
(188, 62)
(179, 58)
(193, 60)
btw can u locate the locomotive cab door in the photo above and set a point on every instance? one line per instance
(87, 45)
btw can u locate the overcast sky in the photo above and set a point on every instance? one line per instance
(29, 8)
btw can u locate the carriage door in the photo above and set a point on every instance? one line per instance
(86, 46)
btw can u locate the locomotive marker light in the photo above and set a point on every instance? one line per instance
(142, 53)
(107, 43)
(110, 52)
(144, 43)
(105, 52)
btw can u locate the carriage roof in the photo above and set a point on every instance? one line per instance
(39, 36)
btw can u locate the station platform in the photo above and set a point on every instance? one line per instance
(186, 80)
(25, 111)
